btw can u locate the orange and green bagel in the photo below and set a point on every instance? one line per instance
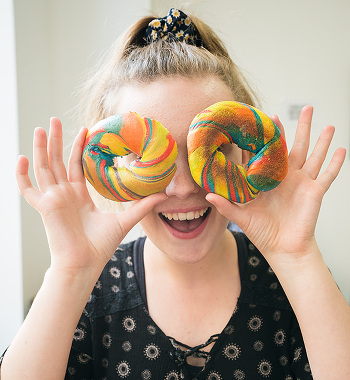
(118, 136)
(249, 128)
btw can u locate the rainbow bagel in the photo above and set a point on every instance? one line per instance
(249, 128)
(118, 136)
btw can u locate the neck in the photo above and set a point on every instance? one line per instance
(221, 259)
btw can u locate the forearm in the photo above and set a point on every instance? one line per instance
(322, 313)
(41, 348)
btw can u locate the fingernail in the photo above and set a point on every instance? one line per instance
(207, 197)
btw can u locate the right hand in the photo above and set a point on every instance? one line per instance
(80, 235)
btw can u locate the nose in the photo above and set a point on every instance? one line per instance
(182, 184)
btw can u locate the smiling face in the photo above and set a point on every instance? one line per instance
(185, 227)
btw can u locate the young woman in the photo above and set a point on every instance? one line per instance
(191, 299)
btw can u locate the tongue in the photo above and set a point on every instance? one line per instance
(185, 225)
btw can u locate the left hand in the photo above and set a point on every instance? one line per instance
(282, 221)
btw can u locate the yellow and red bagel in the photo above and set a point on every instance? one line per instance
(118, 136)
(249, 128)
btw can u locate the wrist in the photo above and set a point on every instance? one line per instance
(301, 275)
(297, 262)
(79, 282)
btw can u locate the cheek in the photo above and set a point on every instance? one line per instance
(150, 224)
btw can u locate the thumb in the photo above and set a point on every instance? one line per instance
(130, 217)
(230, 210)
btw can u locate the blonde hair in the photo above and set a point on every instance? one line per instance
(131, 60)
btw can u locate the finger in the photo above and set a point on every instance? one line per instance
(27, 190)
(314, 163)
(42, 170)
(277, 121)
(129, 218)
(298, 153)
(75, 170)
(55, 151)
(229, 210)
(333, 169)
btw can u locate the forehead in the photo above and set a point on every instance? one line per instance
(173, 101)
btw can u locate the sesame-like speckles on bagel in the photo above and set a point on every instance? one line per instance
(252, 130)
(118, 136)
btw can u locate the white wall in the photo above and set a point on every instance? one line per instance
(57, 41)
(11, 307)
(296, 52)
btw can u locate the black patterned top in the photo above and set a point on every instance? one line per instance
(117, 339)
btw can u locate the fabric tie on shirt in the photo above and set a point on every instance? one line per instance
(180, 356)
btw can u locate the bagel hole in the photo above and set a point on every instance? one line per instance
(235, 154)
(127, 160)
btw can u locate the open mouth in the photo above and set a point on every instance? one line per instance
(185, 222)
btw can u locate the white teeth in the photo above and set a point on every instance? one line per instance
(185, 215)
(182, 216)
(190, 215)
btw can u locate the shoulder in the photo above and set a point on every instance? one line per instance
(259, 283)
(116, 288)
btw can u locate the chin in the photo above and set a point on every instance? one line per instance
(190, 240)
(190, 253)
